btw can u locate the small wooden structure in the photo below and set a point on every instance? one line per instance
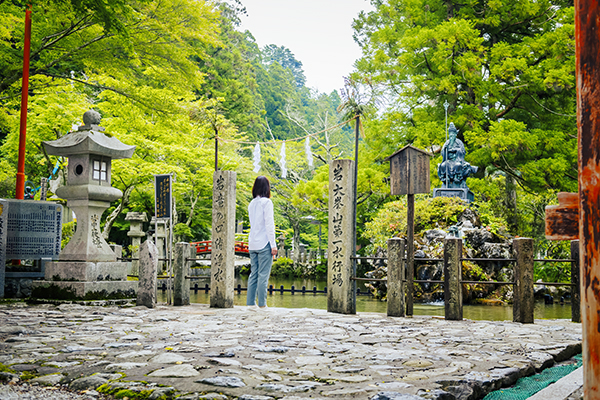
(409, 174)
(409, 171)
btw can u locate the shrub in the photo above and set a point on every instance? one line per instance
(284, 266)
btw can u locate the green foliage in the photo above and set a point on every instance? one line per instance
(430, 213)
(4, 368)
(284, 267)
(68, 229)
(182, 232)
(120, 393)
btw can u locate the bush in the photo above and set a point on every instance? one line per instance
(68, 230)
(284, 267)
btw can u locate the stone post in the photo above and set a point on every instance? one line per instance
(395, 295)
(452, 279)
(146, 295)
(160, 235)
(341, 288)
(223, 240)
(575, 281)
(136, 223)
(181, 270)
(523, 276)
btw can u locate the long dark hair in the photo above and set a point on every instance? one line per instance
(261, 187)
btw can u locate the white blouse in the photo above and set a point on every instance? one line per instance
(262, 224)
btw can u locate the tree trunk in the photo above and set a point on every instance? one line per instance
(110, 220)
(510, 202)
(296, 241)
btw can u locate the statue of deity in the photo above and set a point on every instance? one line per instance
(454, 170)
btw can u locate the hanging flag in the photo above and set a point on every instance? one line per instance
(282, 161)
(256, 157)
(309, 157)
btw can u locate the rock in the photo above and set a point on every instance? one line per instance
(395, 396)
(124, 366)
(169, 358)
(477, 237)
(418, 363)
(214, 396)
(223, 381)
(48, 380)
(8, 377)
(274, 387)
(87, 383)
(436, 394)
(254, 397)
(495, 250)
(435, 235)
(469, 216)
(177, 371)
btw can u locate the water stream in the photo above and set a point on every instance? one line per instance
(369, 304)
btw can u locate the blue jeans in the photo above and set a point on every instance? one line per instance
(261, 262)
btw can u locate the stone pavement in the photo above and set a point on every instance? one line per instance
(198, 352)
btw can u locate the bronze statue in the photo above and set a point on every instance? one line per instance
(454, 170)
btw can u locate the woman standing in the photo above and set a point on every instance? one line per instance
(261, 242)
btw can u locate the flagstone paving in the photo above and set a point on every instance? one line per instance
(195, 352)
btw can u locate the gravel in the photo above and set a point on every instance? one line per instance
(28, 392)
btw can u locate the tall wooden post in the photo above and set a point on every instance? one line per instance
(20, 189)
(410, 253)
(587, 64)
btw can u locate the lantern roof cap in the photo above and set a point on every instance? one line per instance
(89, 139)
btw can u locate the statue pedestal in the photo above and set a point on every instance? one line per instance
(462, 193)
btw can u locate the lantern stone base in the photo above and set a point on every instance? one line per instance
(79, 280)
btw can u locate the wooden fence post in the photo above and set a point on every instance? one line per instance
(452, 279)
(523, 275)
(395, 285)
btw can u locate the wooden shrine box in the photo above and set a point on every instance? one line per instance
(409, 171)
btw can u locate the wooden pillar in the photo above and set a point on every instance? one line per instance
(410, 254)
(452, 279)
(395, 283)
(523, 301)
(181, 270)
(587, 66)
(222, 257)
(575, 281)
(341, 288)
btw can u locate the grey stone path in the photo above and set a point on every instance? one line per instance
(198, 352)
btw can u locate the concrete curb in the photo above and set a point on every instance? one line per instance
(562, 388)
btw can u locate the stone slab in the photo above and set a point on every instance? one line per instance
(86, 271)
(341, 289)
(223, 240)
(33, 229)
(81, 290)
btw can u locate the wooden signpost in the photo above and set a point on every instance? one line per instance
(409, 174)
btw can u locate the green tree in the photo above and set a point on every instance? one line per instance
(507, 71)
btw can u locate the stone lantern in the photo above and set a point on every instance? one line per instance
(88, 190)
(87, 258)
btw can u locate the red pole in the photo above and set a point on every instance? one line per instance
(587, 41)
(20, 190)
